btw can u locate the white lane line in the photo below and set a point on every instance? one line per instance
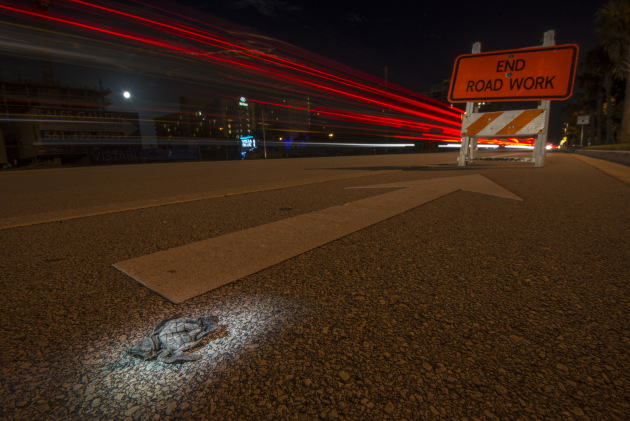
(68, 214)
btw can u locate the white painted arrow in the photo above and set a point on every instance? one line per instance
(184, 272)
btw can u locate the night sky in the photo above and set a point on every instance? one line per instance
(417, 40)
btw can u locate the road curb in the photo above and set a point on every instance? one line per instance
(619, 171)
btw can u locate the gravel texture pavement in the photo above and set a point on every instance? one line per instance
(469, 307)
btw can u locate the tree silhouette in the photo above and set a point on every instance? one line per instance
(613, 21)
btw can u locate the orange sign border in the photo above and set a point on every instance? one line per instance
(538, 97)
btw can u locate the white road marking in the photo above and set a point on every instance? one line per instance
(184, 272)
(104, 209)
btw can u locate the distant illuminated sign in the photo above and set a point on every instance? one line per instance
(248, 142)
(513, 75)
(65, 124)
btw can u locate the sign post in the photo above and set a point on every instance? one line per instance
(583, 120)
(541, 140)
(468, 141)
(542, 73)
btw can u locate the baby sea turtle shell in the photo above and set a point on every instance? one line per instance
(172, 337)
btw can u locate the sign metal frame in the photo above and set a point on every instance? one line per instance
(468, 149)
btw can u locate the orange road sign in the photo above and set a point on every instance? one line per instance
(542, 73)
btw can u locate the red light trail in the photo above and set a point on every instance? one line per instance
(260, 67)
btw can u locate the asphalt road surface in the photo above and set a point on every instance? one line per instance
(468, 306)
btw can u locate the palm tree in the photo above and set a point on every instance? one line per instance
(614, 27)
(593, 71)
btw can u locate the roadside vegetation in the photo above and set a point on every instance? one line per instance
(603, 83)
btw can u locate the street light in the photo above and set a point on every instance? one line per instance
(126, 94)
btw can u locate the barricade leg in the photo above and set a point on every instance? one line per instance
(473, 148)
(463, 151)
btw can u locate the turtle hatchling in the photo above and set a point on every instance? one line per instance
(172, 337)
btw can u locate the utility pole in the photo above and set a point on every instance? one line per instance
(386, 71)
(48, 74)
(262, 116)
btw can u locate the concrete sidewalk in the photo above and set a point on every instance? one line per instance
(619, 157)
(620, 171)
